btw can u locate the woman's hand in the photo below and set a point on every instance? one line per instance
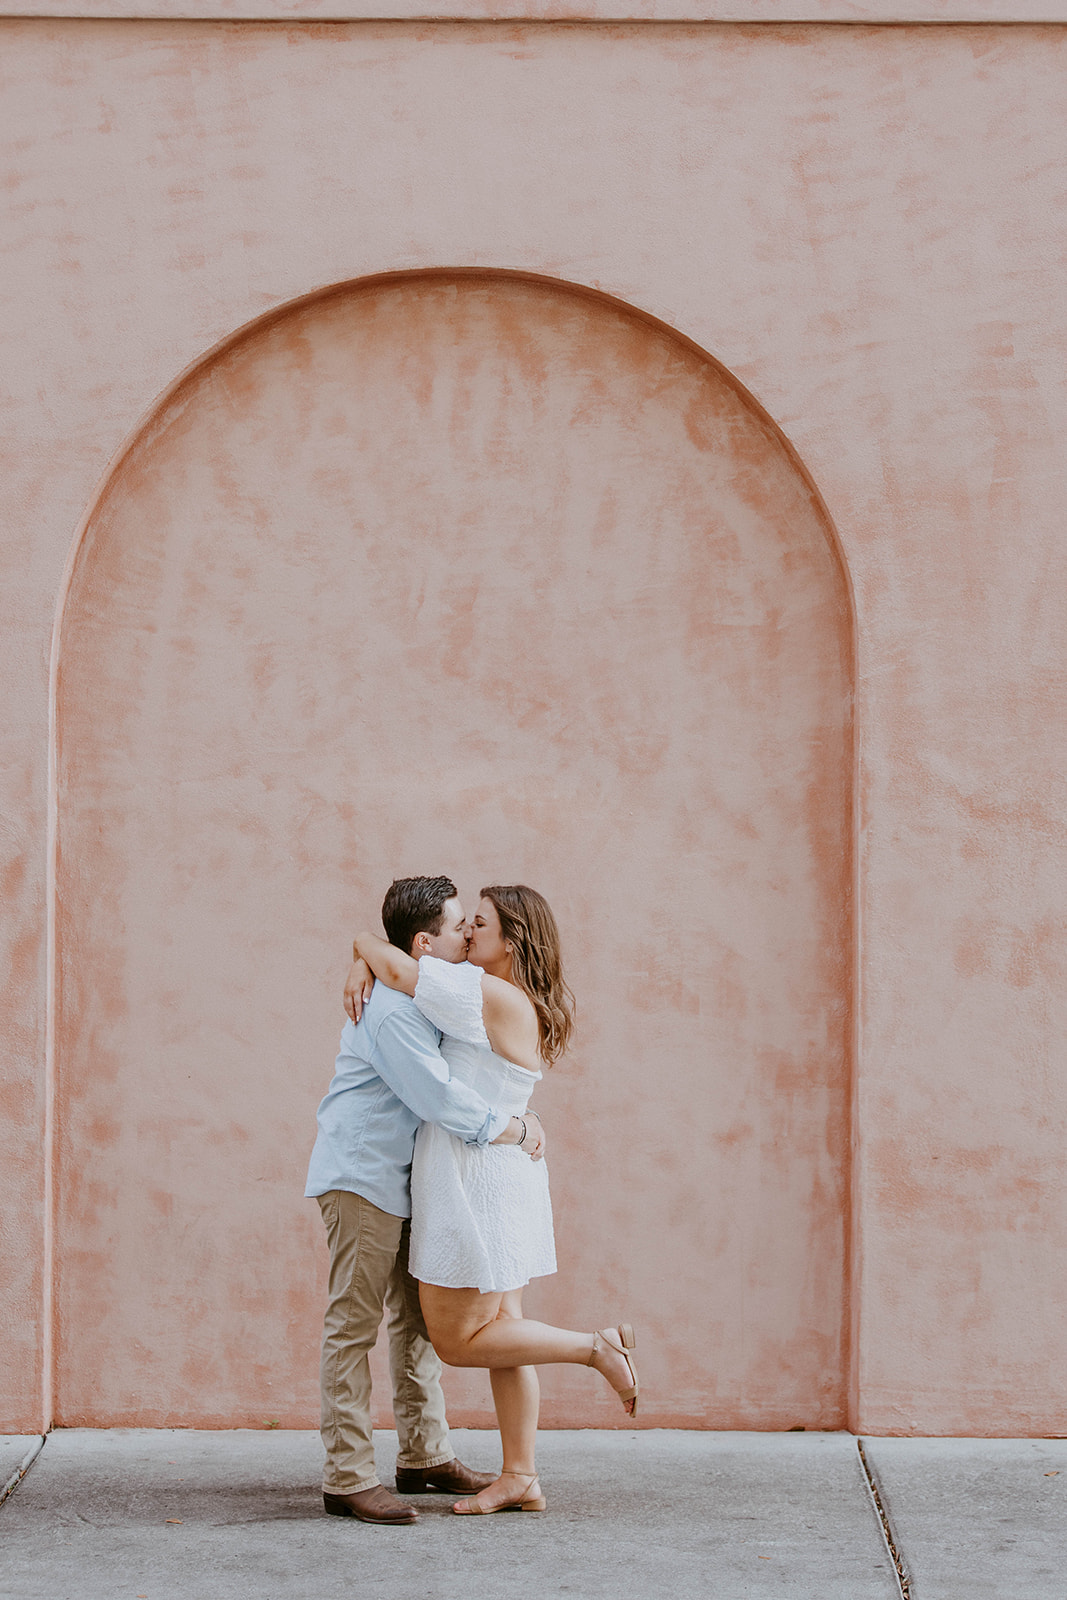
(358, 986)
(535, 1136)
(526, 1132)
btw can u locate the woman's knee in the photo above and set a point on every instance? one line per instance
(454, 1346)
(454, 1319)
(450, 1335)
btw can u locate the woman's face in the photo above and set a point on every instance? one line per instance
(486, 948)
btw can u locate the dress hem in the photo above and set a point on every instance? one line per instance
(507, 1289)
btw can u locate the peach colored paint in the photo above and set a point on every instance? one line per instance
(743, 11)
(865, 226)
(482, 575)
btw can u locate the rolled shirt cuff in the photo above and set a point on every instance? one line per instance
(491, 1128)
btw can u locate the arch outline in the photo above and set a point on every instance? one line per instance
(141, 433)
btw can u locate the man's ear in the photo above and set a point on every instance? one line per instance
(420, 945)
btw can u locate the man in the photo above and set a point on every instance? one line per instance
(390, 1076)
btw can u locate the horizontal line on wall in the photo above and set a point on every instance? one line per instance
(980, 13)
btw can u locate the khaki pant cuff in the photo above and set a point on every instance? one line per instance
(352, 1488)
(423, 1466)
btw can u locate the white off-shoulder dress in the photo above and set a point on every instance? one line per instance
(481, 1216)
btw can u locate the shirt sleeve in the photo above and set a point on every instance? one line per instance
(450, 994)
(408, 1060)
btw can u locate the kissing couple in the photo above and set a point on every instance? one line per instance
(428, 1170)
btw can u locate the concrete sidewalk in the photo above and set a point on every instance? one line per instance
(632, 1515)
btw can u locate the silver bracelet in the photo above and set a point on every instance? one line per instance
(523, 1121)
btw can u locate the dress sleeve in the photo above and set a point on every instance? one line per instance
(449, 994)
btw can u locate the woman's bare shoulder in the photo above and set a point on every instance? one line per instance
(505, 1000)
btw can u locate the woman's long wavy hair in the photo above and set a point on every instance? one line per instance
(527, 923)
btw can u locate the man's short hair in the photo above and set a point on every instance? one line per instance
(415, 905)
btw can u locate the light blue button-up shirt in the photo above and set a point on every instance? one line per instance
(390, 1076)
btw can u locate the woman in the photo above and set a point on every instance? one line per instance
(481, 1218)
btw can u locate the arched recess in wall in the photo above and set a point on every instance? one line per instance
(493, 575)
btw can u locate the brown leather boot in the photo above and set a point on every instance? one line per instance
(451, 1477)
(370, 1505)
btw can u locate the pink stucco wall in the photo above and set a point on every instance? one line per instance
(485, 573)
(746, 11)
(865, 226)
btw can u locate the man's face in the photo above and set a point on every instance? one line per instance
(451, 943)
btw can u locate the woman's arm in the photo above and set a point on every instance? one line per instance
(392, 966)
(358, 986)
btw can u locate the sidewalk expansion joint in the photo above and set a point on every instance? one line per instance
(23, 1467)
(903, 1581)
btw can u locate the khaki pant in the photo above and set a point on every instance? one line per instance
(369, 1270)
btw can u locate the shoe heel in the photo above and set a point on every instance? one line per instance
(412, 1486)
(535, 1505)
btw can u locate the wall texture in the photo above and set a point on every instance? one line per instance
(486, 575)
(865, 226)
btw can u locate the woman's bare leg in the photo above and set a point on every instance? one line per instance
(466, 1331)
(517, 1398)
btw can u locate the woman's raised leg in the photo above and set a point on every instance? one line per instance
(466, 1331)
